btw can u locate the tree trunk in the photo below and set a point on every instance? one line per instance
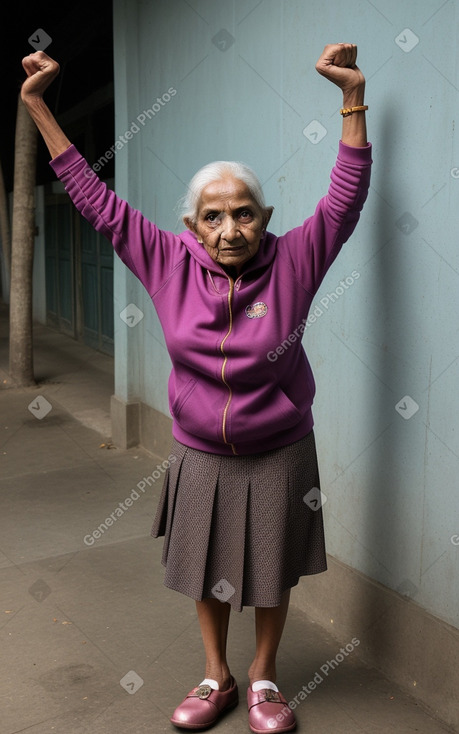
(25, 158)
(5, 227)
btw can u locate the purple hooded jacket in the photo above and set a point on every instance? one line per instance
(230, 391)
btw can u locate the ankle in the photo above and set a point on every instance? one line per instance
(221, 674)
(262, 672)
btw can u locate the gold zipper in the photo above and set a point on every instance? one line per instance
(225, 360)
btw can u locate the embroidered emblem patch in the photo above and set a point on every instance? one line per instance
(257, 311)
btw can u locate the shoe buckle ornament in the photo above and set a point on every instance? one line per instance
(203, 691)
(271, 695)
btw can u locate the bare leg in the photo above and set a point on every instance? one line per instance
(214, 619)
(269, 627)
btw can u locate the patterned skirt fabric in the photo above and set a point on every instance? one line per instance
(241, 529)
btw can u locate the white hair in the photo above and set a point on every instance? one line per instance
(214, 172)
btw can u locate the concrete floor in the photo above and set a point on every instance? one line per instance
(91, 641)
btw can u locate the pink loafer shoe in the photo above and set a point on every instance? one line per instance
(269, 712)
(203, 706)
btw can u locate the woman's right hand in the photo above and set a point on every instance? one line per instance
(41, 69)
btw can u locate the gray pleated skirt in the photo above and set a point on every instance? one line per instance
(241, 529)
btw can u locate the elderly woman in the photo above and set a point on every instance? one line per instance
(239, 510)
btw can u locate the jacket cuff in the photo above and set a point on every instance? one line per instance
(350, 154)
(65, 160)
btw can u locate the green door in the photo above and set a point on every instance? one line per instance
(59, 263)
(96, 269)
(79, 276)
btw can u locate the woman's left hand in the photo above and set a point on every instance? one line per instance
(337, 63)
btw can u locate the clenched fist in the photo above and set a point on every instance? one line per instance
(337, 63)
(41, 69)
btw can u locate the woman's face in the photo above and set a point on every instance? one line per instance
(230, 223)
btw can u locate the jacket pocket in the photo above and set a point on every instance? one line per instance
(262, 418)
(285, 412)
(182, 396)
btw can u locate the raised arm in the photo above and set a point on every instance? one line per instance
(41, 69)
(337, 63)
(150, 253)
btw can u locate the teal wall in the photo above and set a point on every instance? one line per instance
(246, 89)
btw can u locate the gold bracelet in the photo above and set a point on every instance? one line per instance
(346, 111)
